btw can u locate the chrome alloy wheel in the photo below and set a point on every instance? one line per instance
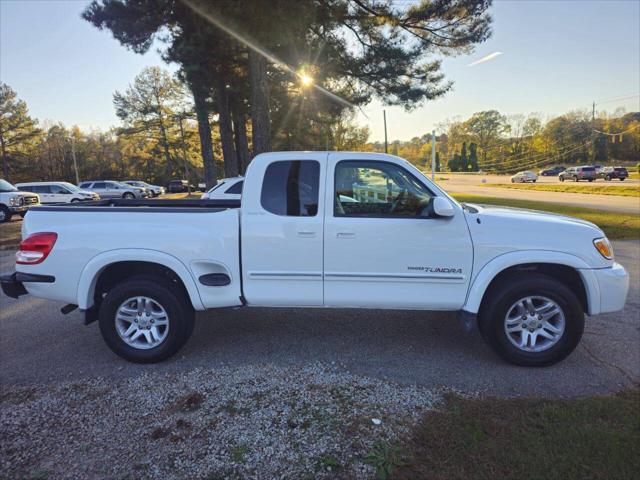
(142, 322)
(534, 324)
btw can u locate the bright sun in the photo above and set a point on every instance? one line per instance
(305, 79)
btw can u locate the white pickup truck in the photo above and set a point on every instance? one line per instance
(321, 229)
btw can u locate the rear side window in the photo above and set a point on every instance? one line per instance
(290, 188)
(588, 169)
(235, 189)
(101, 185)
(85, 185)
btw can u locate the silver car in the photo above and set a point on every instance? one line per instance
(153, 190)
(112, 189)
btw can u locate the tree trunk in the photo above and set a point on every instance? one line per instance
(5, 162)
(260, 121)
(226, 130)
(204, 130)
(242, 144)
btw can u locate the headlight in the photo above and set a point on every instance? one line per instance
(16, 201)
(604, 247)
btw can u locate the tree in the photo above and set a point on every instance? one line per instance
(152, 102)
(16, 127)
(487, 129)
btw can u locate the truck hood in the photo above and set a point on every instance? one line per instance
(517, 214)
(499, 230)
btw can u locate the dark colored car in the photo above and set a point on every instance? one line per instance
(550, 172)
(578, 173)
(609, 173)
(177, 186)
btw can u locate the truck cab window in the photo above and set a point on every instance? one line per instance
(378, 189)
(291, 188)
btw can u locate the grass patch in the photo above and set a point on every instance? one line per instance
(594, 437)
(617, 190)
(616, 225)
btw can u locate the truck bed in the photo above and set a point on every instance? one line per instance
(139, 205)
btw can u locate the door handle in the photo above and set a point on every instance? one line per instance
(345, 234)
(306, 233)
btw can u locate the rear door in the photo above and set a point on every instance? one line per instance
(382, 248)
(44, 191)
(281, 231)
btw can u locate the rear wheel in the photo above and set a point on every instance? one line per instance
(575, 179)
(561, 179)
(622, 179)
(591, 179)
(5, 214)
(533, 320)
(145, 320)
(607, 178)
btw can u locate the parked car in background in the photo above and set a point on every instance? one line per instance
(225, 189)
(152, 190)
(112, 189)
(552, 172)
(609, 173)
(13, 201)
(178, 186)
(578, 173)
(523, 177)
(58, 192)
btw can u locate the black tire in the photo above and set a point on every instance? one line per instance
(622, 179)
(503, 295)
(128, 196)
(607, 178)
(75, 200)
(591, 179)
(178, 308)
(5, 214)
(561, 179)
(22, 214)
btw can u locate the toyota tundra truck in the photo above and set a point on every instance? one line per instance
(326, 230)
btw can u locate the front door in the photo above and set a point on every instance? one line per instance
(382, 246)
(281, 231)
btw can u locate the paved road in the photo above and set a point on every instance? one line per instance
(40, 345)
(472, 184)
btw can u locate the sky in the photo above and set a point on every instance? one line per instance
(556, 56)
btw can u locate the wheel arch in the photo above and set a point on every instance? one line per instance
(567, 268)
(115, 265)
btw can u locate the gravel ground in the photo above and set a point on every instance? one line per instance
(253, 422)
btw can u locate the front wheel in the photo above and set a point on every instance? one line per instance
(531, 320)
(5, 214)
(622, 179)
(128, 196)
(561, 179)
(575, 179)
(145, 319)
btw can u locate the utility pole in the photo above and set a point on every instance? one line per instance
(73, 155)
(593, 133)
(384, 116)
(433, 155)
(184, 156)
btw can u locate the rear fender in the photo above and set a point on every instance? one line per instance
(91, 272)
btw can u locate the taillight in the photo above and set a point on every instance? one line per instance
(35, 248)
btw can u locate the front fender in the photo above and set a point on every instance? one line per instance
(500, 263)
(92, 270)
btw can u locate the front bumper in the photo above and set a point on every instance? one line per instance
(20, 208)
(13, 286)
(613, 284)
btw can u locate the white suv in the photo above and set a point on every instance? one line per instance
(13, 201)
(58, 192)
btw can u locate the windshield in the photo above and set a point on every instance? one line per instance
(70, 186)
(7, 187)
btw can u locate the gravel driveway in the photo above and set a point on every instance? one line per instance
(263, 392)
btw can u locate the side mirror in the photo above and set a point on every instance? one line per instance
(441, 207)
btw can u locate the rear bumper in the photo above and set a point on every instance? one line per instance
(13, 284)
(613, 284)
